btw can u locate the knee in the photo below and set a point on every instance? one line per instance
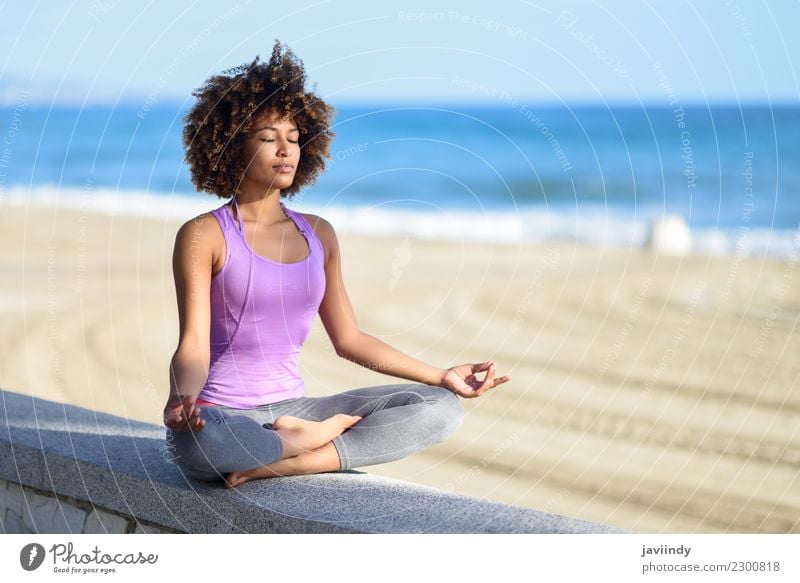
(448, 413)
(195, 452)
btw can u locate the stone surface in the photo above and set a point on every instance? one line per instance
(117, 464)
(148, 529)
(14, 524)
(44, 514)
(14, 498)
(3, 496)
(101, 522)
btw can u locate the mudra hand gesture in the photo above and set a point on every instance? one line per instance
(462, 381)
(181, 414)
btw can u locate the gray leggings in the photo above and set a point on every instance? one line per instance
(397, 420)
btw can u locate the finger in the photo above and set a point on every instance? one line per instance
(489, 380)
(488, 383)
(501, 380)
(468, 392)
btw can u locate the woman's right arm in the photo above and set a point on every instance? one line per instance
(191, 267)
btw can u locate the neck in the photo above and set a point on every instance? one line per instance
(264, 208)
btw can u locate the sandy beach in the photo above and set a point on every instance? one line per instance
(654, 393)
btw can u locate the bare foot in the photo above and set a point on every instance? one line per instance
(299, 436)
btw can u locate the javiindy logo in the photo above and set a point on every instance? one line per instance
(31, 556)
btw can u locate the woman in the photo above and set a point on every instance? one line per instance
(251, 275)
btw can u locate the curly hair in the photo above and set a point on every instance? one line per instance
(230, 103)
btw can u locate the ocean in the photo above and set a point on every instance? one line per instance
(505, 174)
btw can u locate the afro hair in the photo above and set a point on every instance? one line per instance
(230, 103)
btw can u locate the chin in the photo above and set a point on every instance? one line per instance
(280, 182)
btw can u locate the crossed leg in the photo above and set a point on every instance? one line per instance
(397, 420)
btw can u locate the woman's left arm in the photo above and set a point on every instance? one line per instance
(339, 320)
(375, 354)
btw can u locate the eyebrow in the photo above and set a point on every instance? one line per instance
(276, 129)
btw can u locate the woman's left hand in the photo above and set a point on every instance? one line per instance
(462, 381)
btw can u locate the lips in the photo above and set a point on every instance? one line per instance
(283, 166)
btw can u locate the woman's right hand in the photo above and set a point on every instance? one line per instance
(180, 413)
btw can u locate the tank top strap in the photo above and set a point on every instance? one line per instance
(302, 224)
(305, 227)
(238, 215)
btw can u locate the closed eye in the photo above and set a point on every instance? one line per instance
(265, 140)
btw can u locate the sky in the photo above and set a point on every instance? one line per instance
(147, 52)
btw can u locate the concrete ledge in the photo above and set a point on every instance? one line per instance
(116, 472)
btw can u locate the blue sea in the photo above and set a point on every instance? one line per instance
(508, 174)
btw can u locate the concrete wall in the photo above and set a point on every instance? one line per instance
(66, 469)
(25, 510)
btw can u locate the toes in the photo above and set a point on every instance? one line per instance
(287, 422)
(347, 420)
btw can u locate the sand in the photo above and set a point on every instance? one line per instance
(653, 393)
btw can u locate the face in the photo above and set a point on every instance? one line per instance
(272, 142)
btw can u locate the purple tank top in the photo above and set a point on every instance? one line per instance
(261, 314)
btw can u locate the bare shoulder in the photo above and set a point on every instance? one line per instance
(198, 229)
(324, 230)
(202, 234)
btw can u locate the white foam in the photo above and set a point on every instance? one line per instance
(670, 234)
(595, 225)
